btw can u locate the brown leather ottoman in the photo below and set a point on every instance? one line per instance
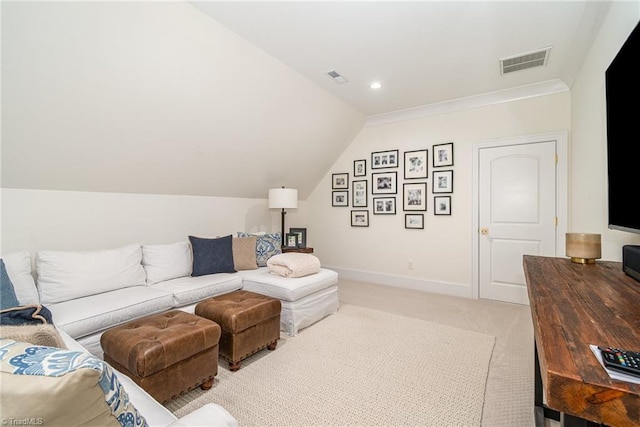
(249, 322)
(166, 354)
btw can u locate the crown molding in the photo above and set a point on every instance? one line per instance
(507, 95)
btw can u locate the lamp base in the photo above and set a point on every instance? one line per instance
(583, 260)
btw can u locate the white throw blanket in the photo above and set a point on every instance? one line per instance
(293, 264)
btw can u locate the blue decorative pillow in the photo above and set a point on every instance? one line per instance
(267, 246)
(32, 374)
(212, 255)
(8, 298)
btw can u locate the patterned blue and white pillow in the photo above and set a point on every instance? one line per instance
(53, 378)
(267, 245)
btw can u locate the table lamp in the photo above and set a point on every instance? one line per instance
(283, 198)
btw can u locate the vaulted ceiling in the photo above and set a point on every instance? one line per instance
(231, 98)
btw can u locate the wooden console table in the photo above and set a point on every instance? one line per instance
(572, 306)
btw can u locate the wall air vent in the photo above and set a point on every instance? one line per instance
(524, 61)
(336, 76)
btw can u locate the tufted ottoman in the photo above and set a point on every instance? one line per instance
(249, 322)
(166, 354)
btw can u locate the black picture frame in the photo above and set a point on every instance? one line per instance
(384, 205)
(302, 236)
(442, 205)
(359, 193)
(360, 218)
(384, 183)
(442, 155)
(340, 198)
(414, 221)
(414, 196)
(360, 167)
(385, 159)
(442, 182)
(291, 240)
(340, 181)
(416, 164)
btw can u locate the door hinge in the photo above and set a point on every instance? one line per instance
(556, 221)
(556, 159)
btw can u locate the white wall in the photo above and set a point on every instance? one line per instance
(588, 191)
(441, 253)
(71, 220)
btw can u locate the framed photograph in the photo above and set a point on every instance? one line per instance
(384, 183)
(301, 233)
(359, 218)
(414, 221)
(360, 167)
(384, 205)
(339, 198)
(416, 164)
(442, 205)
(415, 196)
(339, 181)
(359, 194)
(384, 159)
(442, 182)
(292, 240)
(443, 155)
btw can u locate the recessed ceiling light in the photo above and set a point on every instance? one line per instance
(375, 85)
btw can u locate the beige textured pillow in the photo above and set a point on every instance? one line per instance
(33, 334)
(244, 253)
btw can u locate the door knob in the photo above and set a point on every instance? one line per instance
(484, 231)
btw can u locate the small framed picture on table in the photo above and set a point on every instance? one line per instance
(292, 240)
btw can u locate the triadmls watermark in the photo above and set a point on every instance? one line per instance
(26, 421)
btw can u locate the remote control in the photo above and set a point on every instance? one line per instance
(627, 362)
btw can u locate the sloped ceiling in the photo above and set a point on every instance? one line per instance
(158, 98)
(423, 52)
(230, 98)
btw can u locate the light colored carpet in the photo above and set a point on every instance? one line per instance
(358, 367)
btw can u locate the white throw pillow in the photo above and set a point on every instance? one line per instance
(18, 266)
(63, 276)
(165, 262)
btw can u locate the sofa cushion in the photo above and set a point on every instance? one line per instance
(94, 313)
(212, 256)
(64, 276)
(286, 288)
(18, 265)
(267, 245)
(244, 253)
(189, 290)
(79, 381)
(8, 296)
(165, 262)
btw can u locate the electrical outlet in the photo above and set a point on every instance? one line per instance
(410, 265)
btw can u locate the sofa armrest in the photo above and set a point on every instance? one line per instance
(208, 415)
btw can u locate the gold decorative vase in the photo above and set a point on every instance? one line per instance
(583, 248)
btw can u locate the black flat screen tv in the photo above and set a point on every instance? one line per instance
(622, 86)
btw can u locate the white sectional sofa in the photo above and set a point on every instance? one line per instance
(90, 292)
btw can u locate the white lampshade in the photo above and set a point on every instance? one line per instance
(283, 198)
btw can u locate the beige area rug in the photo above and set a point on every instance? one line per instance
(357, 367)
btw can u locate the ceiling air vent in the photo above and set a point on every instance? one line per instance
(337, 77)
(524, 61)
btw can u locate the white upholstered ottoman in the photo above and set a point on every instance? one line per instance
(305, 300)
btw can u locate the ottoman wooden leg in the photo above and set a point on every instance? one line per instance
(207, 384)
(273, 345)
(234, 366)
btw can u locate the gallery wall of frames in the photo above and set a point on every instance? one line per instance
(351, 188)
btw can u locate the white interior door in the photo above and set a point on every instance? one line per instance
(516, 215)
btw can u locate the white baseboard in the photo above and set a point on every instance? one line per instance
(453, 289)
